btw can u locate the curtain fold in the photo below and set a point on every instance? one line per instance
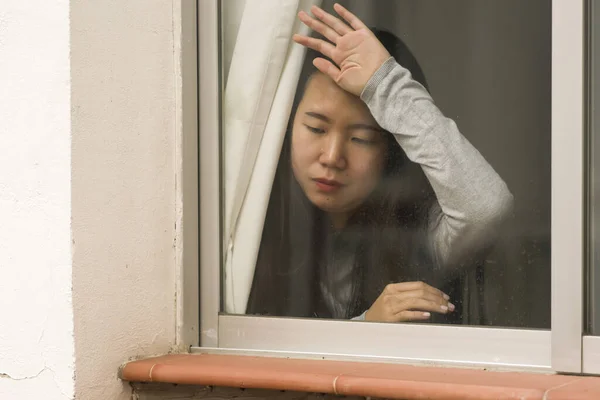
(261, 84)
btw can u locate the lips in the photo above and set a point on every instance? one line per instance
(327, 185)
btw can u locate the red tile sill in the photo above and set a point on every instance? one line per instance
(358, 379)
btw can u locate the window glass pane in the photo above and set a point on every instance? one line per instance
(593, 325)
(373, 195)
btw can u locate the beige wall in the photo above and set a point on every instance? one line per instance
(124, 73)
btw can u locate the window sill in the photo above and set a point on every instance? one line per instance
(357, 379)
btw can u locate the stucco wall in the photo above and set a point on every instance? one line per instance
(124, 187)
(36, 329)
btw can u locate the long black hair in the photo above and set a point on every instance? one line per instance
(386, 238)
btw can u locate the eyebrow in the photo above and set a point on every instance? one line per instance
(318, 116)
(352, 127)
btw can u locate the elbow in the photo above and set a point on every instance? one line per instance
(500, 209)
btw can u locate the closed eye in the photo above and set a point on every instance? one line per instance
(313, 129)
(363, 141)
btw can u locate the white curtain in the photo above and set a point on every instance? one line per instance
(261, 83)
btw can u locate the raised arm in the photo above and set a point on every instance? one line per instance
(472, 198)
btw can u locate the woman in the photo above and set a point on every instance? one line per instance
(353, 228)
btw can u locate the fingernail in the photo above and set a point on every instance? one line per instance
(451, 306)
(444, 308)
(446, 297)
(426, 314)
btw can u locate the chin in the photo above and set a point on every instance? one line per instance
(327, 206)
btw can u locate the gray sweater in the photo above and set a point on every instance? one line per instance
(472, 199)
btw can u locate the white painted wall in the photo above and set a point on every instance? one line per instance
(36, 321)
(88, 128)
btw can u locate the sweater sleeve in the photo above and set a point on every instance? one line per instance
(472, 199)
(361, 317)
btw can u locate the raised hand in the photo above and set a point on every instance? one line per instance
(354, 49)
(408, 301)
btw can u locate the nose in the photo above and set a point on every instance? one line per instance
(333, 152)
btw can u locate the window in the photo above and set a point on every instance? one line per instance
(508, 76)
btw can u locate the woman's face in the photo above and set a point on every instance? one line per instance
(338, 149)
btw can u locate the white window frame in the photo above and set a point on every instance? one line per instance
(591, 344)
(558, 349)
